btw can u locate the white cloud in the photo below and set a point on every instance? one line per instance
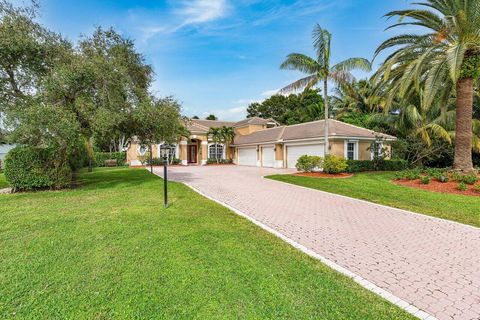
(201, 11)
(269, 93)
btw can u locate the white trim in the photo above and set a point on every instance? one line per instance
(204, 143)
(278, 164)
(380, 146)
(184, 163)
(223, 150)
(355, 277)
(355, 150)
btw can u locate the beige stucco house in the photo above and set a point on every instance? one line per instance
(264, 143)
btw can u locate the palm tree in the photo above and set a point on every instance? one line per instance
(319, 69)
(228, 134)
(216, 135)
(446, 56)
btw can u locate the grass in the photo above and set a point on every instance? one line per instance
(3, 181)
(379, 188)
(108, 249)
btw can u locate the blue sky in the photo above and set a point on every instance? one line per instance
(217, 56)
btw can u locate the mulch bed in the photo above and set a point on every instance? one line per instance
(323, 175)
(436, 186)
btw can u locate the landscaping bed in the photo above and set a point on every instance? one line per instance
(437, 186)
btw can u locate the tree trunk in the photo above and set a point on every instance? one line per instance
(325, 107)
(463, 129)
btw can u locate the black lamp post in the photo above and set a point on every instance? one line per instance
(164, 153)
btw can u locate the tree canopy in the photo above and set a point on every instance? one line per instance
(291, 109)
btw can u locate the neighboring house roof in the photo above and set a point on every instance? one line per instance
(309, 130)
(254, 121)
(202, 126)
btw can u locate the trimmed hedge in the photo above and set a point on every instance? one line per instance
(101, 157)
(383, 165)
(29, 168)
(159, 161)
(334, 164)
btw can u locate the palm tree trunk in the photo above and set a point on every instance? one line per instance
(463, 130)
(325, 106)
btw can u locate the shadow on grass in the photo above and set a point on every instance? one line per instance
(108, 178)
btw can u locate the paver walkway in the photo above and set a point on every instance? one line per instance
(430, 263)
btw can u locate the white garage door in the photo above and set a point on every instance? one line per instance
(268, 157)
(295, 152)
(247, 157)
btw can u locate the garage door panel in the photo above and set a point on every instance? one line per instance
(296, 151)
(268, 157)
(247, 156)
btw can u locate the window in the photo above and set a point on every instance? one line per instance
(142, 150)
(215, 151)
(377, 150)
(170, 148)
(351, 150)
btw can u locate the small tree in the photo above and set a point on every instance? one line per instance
(211, 117)
(156, 121)
(379, 152)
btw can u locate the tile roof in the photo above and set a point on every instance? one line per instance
(253, 121)
(266, 135)
(202, 126)
(309, 130)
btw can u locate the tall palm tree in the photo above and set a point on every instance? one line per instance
(447, 55)
(319, 69)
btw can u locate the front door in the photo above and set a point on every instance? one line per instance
(192, 153)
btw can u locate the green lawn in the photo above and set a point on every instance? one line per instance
(3, 181)
(378, 188)
(108, 249)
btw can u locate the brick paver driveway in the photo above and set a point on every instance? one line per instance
(430, 263)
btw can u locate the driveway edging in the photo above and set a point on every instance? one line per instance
(358, 279)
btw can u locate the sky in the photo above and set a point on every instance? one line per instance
(218, 56)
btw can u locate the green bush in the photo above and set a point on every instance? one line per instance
(383, 165)
(333, 164)
(100, 158)
(476, 188)
(462, 186)
(469, 179)
(215, 161)
(29, 168)
(425, 180)
(308, 163)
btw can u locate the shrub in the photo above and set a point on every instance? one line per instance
(469, 179)
(425, 180)
(476, 188)
(308, 163)
(383, 165)
(214, 161)
(29, 168)
(462, 186)
(333, 164)
(101, 157)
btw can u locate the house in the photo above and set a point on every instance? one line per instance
(265, 143)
